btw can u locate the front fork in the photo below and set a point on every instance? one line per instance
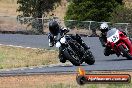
(127, 44)
(75, 52)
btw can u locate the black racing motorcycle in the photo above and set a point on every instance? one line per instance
(71, 50)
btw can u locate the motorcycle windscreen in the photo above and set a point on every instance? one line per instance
(113, 35)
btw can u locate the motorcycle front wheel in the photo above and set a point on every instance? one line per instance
(125, 52)
(89, 58)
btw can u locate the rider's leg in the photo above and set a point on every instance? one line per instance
(103, 41)
(108, 51)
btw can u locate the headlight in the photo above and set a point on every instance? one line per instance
(63, 40)
(58, 44)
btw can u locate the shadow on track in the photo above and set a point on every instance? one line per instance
(116, 60)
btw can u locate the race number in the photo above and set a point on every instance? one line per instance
(114, 38)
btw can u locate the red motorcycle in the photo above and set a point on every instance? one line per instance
(119, 43)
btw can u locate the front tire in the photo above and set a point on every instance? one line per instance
(89, 58)
(71, 59)
(125, 53)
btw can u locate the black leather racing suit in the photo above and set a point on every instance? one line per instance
(53, 39)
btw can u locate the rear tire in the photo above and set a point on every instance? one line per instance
(125, 53)
(71, 59)
(89, 58)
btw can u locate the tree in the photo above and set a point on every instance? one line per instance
(119, 1)
(97, 10)
(36, 9)
(122, 14)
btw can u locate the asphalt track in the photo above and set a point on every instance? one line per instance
(102, 63)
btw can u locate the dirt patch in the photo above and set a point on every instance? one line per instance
(35, 81)
(42, 81)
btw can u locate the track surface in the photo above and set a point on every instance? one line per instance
(40, 41)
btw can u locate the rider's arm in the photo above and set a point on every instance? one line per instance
(58, 36)
(103, 40)
(51, 39)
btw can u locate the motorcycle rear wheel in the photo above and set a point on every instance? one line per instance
(125, 53)
(89, 58)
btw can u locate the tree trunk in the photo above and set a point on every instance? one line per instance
(37, 25)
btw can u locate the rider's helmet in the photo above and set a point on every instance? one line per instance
(104, 27)
(54, 27)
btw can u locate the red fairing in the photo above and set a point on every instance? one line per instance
(125, 42)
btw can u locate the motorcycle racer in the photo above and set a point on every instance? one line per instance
(55, 32)
(103, 39)
(119, 43)
(104, 28)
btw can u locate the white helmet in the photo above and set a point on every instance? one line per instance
(104, 27)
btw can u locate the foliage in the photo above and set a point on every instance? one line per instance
(97, 10)
(87, 10)
(35, 9)
(32, 7)
(122, 14)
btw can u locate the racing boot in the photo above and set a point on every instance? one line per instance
(106, 52)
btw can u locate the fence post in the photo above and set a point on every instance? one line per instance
(126, 28)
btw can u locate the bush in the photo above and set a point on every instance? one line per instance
(87, 10)
(122, 14)
(97, 10)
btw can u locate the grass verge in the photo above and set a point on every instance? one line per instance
(12, 57)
